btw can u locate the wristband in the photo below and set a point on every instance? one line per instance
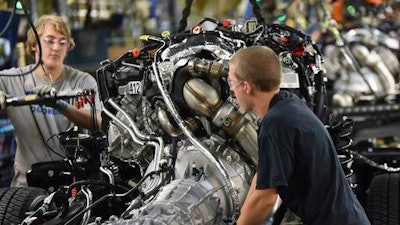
(60, 106)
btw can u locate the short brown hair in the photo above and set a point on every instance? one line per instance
(259, 65)
(40, 26)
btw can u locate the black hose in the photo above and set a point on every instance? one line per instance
(38, 42)
(105, 197)
(185, 15)
(257, 12)
(188, 5)
(9, 20)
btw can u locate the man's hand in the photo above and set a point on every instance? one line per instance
(3, 103)
(59, 105)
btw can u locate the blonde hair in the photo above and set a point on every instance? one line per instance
(40, 26)
(259, 65)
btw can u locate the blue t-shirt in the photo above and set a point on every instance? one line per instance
(298, 157)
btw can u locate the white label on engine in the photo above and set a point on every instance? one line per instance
(135, 87)
(289, 80)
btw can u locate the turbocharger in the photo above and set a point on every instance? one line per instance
(205, 101)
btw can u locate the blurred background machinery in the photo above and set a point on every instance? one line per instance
(359, 40)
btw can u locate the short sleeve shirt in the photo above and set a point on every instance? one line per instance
(35, 126)
(298, 157)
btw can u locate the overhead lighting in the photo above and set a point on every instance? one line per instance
(18, 5)
(351, 10)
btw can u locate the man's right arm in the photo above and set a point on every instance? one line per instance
(258, 205)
